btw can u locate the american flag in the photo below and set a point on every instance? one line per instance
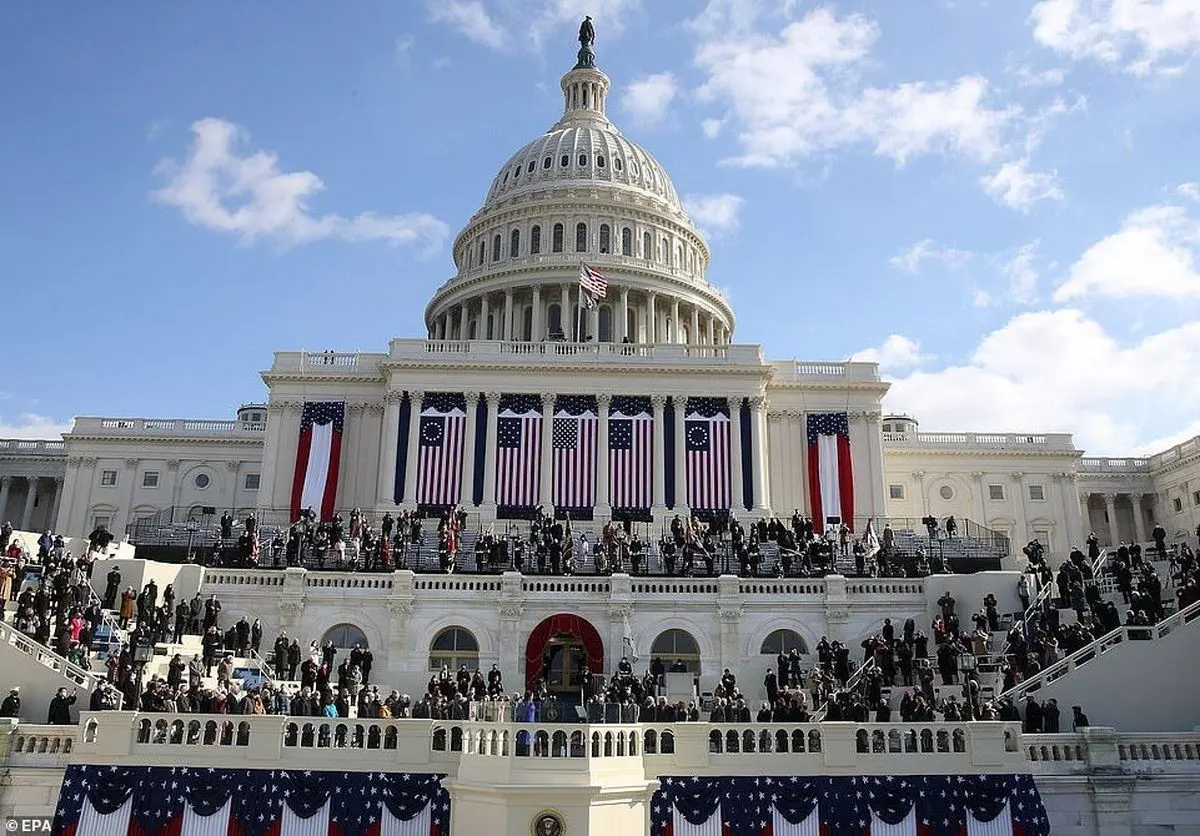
(592, 285)
(441, 437)
(142, 800)
(706, 445)
(830, 469)
(518, 451)
(574, 451)
(318, 458)
(630, 452)
(897, 805)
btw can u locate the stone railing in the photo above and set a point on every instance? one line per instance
(981, 441)
(328, 363)
(1104, 748)
(498, 351)
(31, 447)
(31, 744)
(794, 371)
(164, 427)
(1091, 464)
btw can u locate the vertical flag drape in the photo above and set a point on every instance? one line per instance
(113, 823)
(318, 457)
(830, 469)
(808, 826)
(573, 444)
(630, 453)
(419, 825)
(1001, 825)
(215, 824)
(518, 451)
(706, 442)
(441, 437)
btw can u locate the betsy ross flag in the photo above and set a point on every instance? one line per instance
(630, 452)
(706, 446)
(440, 440)
(180, 801)
(518, 451)
(870, 805)
(318, 456)
(592, 285)
(830, 469)
(573, 443)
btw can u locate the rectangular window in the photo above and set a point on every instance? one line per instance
(1196, 497)
(101, 521)
(1037, 493)
(996, 492)
(896, 491)
(1177, 504)
(150, 479)
(251, 483)
(108, 478)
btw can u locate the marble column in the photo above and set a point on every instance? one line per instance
(508, 314)
(651, 318)
(536, 334)
(466, 488)
(694, 333)
(30, 498)
(736, 494)
(674, 332)
(622, 330)
(385, 493)
(593, 327)
(489, 452)
(464, 317)
(446, 325)
(1139, 517)
(657, 402)
(1110, 507)
(712, 336)
(485, 310)
(57, 508)
(681, 497)
(546, 472)
(603, 506)
(565, 320)
(5, 485)
(414, 441)
(758, 461)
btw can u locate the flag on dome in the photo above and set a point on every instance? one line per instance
(592, 285)
(318, 455)
(878, 805)
(180, 801)
(440, 438)
(830, 469)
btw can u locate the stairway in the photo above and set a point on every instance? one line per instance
(40, 672)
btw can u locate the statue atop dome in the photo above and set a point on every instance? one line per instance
(587, 37)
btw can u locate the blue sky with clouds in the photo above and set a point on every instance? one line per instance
(998, 201)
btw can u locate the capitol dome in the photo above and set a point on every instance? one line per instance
(581, 193)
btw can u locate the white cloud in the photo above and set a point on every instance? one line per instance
(1007, 385)
(1189, 190)
(470, 19)
(1143, 36)
(648, 98)
(1153, 254)
(796, 92)
(1017, 187)
(896, 353)
(32, 425)
(912, 259)
(1022, 275)
(219, 188)
(712, 127)
(714, 213)
(1027, 76)
(980, 298)
(404, 46)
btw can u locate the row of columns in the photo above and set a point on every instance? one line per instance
(31, 498)
(391, 431)
(1110, 509)
(654, 323)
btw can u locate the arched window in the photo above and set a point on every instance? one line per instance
(580, 237)
(626, 241)
(546, 163)
(532, 166)
(677, 646)
(517, 171)
(605, 239)
(554, 319)
(535, 240)
(454, 646)
(647, 247)
(344, 637)
(600, 161)
(527, 324)
(783, 641)
(482, 252)
(583, 160)
(565, 160)
(514, 244)
(678, 255)
(665, 253)
(556, 244)
(605, 324)
(617, 164)
(496, 248)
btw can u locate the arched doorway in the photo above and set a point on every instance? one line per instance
(565, 649)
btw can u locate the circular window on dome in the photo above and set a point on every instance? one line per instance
(565, 161)
(201, 481)
(532, 166)
(546, 162)
(946, 492)
(583, 159)
(600, 162)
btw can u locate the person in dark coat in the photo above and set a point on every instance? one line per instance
(11, 707)
(60, 708)
(1050, 716)
(1078, 718)
(1033, 716)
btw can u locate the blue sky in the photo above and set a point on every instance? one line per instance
(998, 201)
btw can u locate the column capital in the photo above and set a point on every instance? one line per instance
(393, 396)
(978, 475)
(472, 399)
(918, 474)
(416, 395)
(604, 400)
(1109, 496)
(232, 465)
(508, 292)
(1136, 496)
(757, 402)
(658, 401)
(1016, 476)
(492, 397)
(173, 464)
(548, 399)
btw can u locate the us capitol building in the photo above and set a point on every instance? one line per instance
(669, 414)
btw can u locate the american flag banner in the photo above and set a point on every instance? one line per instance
(440, 438)
(592, 285)
(518, 451)
(830, 469)
(706, 444)
(318, 457)
(180, 801)
(630, 452)
(869, 805)
(573, 445)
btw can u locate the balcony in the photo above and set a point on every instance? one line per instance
(166, 428)
(30, 447)
(799, 371)
(497, 352)
(1017, 442)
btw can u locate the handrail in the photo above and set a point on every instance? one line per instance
(850, 684)
(43, 655)
(1098, 646)
(264, 668)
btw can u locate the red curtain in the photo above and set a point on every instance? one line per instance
(573, 625)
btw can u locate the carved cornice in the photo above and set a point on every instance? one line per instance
(132, 462)
(918, 475)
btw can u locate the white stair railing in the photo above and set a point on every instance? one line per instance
(47, 657)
